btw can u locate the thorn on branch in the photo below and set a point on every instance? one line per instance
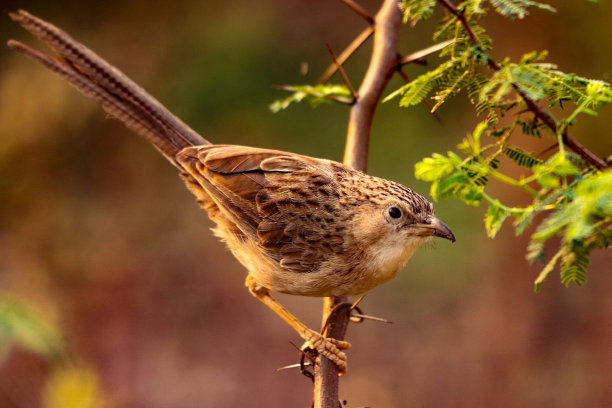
(306, 367)
(357, 316)
(359, 10)
(418, 57)
(347, 52)
(342, 74)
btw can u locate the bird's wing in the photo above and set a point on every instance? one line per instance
(285, 202)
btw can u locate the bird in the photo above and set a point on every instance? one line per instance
(299, 225)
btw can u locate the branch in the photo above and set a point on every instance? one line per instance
(538, 111)
(347, 52)
(345, 79)
(359, 10)
(326, 380)
(383, 63)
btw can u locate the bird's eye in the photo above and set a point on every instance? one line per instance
(394, 212)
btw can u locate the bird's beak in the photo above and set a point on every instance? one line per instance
(435, 227)
(441, 230)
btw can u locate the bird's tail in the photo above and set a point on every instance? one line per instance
(99, 80)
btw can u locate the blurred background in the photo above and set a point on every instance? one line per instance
(114, 293)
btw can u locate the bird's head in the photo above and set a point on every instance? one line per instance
(396, 221)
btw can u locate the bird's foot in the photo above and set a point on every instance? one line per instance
(327, 347)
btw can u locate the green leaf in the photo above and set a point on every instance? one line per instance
(549, 181)
(535, 251)
(548, 269)
(21, 325)
(472, 8)
(459, 185)
(471, 144)
(520, 157)
(584, 222)
(524, 219)
(574, 268)
(316, 95)
(415, 10)
(532, 128)
(435, 167)
(451, 85)
(497, 87)
(592, 205)
(552, 225)
(494, 218)
(530, 79)
(415, 91)
(517, 8)
(548, 174)
(561, 166)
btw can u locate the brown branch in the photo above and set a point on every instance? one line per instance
(383, 63)
(537, 110)
(326, 377)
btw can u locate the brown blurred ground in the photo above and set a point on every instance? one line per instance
(98, 233)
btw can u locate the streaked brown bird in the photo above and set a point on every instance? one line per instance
(300, 225)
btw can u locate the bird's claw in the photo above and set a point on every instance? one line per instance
(327, 347)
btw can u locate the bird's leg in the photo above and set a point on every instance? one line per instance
(327, 347)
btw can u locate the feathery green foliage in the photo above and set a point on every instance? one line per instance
(316, 95)
(572, 195)
(517, 8)
(520, 157)
(417, 10)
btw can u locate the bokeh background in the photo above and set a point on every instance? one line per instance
(123, 298)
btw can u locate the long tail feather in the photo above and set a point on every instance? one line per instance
(97, 79)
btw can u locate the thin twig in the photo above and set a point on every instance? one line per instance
(383, 63)
(359, 10)
(419, 56)
(540, 113)
(342, 73)
(347, 52)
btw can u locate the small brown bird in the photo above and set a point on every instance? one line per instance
(300, 225)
